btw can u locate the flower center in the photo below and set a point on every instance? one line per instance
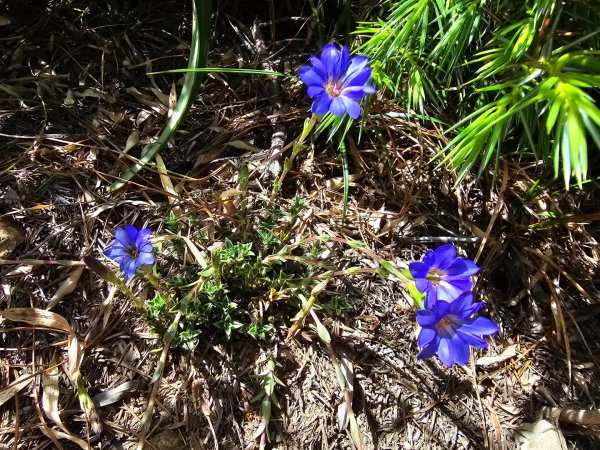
(133, 251)
(435, 275)
(445, 325)
(333, 88)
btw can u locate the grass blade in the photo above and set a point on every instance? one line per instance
(198, 58)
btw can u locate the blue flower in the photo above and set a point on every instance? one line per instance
(441, 275)
(449, 329)
(131, 249)
(337, 81)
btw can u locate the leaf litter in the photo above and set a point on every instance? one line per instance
(538, 274)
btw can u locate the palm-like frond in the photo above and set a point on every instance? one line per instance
(481, 139)
(398, 45)
(571, 113)
(524, 70)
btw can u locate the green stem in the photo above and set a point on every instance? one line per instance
(342, 382)
(309, 124)
(155, 282)
(155, 380)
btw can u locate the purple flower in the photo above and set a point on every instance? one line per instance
(449, 329)
(441, 275)
(337, 81)
(131, 249)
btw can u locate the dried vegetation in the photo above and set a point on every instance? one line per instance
(77, 108)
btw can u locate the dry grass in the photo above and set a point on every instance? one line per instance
(76, 108)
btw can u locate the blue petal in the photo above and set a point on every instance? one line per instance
(462, 267)
(321, 104)
(319, 67)
(357, 64)
(124, 262)
(422, 284)
(358, 92)
(426, 318)
(480, 326)
(461, 350)
(442, 308)
(369, 89)
(431, 298)
(429, 259)
(473, 309)
(358, 78)
(115, 250)
(330, 57)
(146, 247)
(426, 336)
(122, 237)
(337, 107)
(449, 291)
(145, 259)
(314, 91)
(143, 237)
(461, 283)
(343, 63)
(444, 256)
(132, 234)
(418, 269)
(461, 304)
(446, 352)
(471, 339)
(352, 107)
(310, 77)
(354, 92)
(430, 349)
(130, 268)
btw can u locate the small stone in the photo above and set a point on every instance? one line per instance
(541, 435)
(167, 440)
(11, 235)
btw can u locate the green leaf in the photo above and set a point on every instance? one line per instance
(103, 271)
(224, 70)
(321, 330)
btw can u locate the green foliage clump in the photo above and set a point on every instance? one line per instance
(252, 280)
(515, 77)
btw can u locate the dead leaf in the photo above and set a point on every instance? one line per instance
(241, 145)
(89, 92)
(66, 287)
(342, 416)
(52, 434)
(132, 140)
(19, 271)
(55, 435)
(509, 352)
(15, 387)
(75, 351)
(228, 193)
(69, 98)
(9, 90)
(40, 207)
(146, 100)
(113, 395)
(199, 258)
(172, 99)
(165, 180)
(37, 318)
(50, 392)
